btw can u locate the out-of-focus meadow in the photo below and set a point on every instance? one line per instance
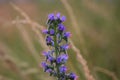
(95, 28)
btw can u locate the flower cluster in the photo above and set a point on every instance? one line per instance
(57, 38)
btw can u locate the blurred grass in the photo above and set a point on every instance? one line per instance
(99, 21)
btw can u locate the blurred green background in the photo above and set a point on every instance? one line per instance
(95, 28)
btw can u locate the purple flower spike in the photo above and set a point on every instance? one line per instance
(61, 27)
(58, 15)
(57, 41)
(63, 69)
(63, 18)
(52, 32)
(51, 16)
(45, 31)
(62, 58)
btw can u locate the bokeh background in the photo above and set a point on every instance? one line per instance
(95, 28)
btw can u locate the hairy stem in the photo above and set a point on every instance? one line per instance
(56, 50)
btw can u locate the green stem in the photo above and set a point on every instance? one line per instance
(56, 50)
(55, 45)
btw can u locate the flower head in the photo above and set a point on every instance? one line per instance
(51, 16)
(49, 56)
(44, 64)
(63, 69)
(46, 67)
(49, 70)
(72, 76)
(65, 47)
(67, 34)
(46, 54)
(45, 31)
(52, 32)
(49, 41)
(63, 18)
(61, 27)
(62, 59)
(58, 15)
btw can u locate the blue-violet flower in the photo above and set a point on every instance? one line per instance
(57, 39)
